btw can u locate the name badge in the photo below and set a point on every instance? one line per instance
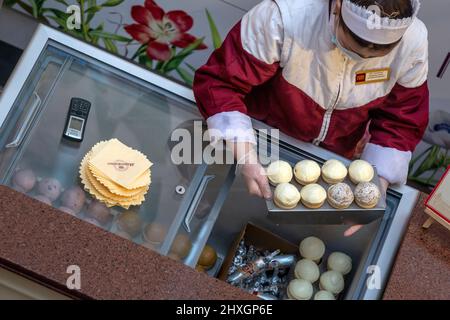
(372, 76)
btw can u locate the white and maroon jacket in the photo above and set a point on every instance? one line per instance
(278, 65)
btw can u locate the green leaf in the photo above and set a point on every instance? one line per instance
(429, 162)
(423, 181)
(112, 3)
(90, 16)
(93, 10)
(10, 3)
(62, 2)
(145, 60)
(58, 13)
(60, 22)
(215, 35)
(191, 67)
(188, 50)
(34, 8)
(109, 45)
(139, 51)
(417, 158)
(159, 65)
(111, 36)
(185, 75)
(175, 62)
(94, 39)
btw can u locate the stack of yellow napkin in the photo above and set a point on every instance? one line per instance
(116, 174)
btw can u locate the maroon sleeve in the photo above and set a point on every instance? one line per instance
(402, 119)
(229, 75)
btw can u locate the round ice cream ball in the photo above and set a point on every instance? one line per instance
(130, 222)
(24, 180)
(147, 245)
(200, 268)
(93, 221)
(360, 171)
(181, 246)
(43, 199)
(332, 281)
(300, 289)
(307, 270)
(208, 257)
(123, 234)
(154, 233)
(174, 256)
(279, 172)
(67, 210)
(339, 262)
(74, 198)
(312, 248)
(99, 212)
(50, 187)
(286, 196)
(324, 295)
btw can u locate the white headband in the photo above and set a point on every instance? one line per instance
(370, 26)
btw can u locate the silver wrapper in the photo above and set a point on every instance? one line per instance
(267, 296)
(261, 273)
(281, 261)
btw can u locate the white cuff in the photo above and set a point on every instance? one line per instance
(231, 126)
(391, 164)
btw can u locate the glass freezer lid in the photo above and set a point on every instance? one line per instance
(124, 107)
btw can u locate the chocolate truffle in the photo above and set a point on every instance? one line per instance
(24, 180)
(99, 212)
(74, 198)
(181, 246)
(208, 257)
(130, 222)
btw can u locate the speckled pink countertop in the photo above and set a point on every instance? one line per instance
(40, 242)
(422, 267)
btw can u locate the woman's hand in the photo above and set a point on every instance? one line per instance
(384, 184)
(254, 174)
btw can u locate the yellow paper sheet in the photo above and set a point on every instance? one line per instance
(121, 164)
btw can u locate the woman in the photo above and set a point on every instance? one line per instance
(322, 71)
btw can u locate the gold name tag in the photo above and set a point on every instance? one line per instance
(372, 76)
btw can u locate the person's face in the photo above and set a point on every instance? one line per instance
(348, 42)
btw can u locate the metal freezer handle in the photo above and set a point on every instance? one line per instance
(26, 123)
(195, 202)
(207, 226)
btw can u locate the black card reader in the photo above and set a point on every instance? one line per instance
(76, 119)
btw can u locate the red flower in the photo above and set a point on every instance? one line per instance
(159, 30)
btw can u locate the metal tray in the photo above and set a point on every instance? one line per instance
(327, 214)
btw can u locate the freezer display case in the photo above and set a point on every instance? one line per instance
(188, 205)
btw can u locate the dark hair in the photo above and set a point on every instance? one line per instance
(396, 9)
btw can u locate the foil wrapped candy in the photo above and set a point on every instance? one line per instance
(261, 273)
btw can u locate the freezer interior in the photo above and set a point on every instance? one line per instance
(204, 203)
(363, 247)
